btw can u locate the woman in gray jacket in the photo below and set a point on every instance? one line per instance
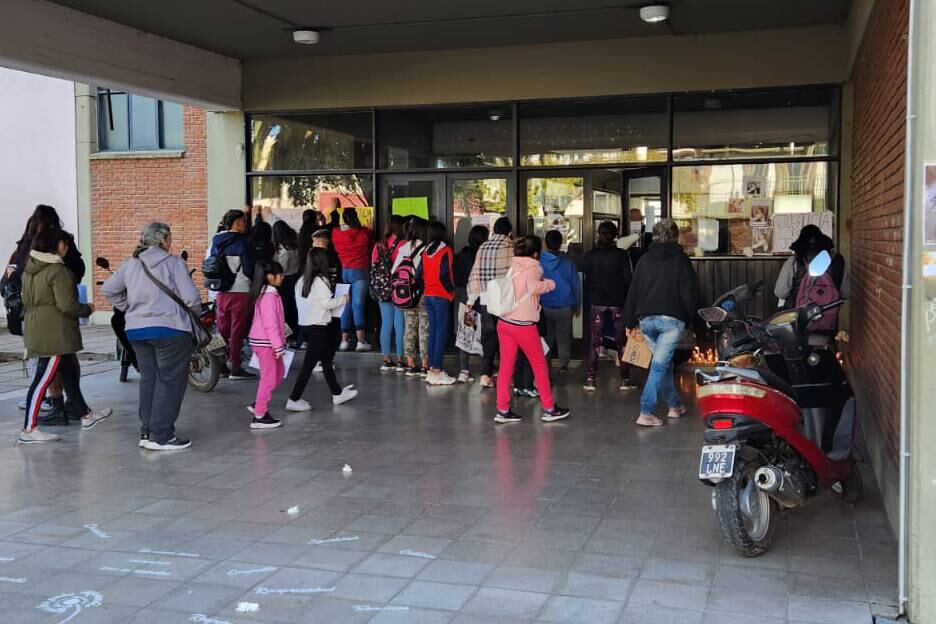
(160, 331)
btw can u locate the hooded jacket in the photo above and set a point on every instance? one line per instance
(664, 284)
(143, 302)
(267, 329)
(237, 249)
(50, 295)
(607, 276)
(568, 292)
(527, 278)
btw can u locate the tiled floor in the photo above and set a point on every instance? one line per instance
(445, 518)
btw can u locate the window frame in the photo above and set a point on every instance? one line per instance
(158, 123)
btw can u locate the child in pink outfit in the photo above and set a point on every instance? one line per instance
(267, 338)
(518, 330)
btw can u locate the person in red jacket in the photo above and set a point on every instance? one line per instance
(353, 244)
(437, 275)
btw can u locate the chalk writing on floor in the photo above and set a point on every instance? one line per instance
(266, 591)
(367, 609)
(98, 532)
(168, 553)
(135, 571)
(252, 571)
(73, 603)
(334, 540)
(415, 553)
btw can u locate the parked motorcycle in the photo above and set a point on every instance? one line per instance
(205, 364)
(777, 433)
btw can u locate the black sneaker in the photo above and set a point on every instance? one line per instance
(506, 417)
(172, 444)
(563, 370)
(241, 374)
(556, 413)
(267, 422)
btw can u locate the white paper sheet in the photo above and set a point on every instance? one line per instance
(340, 290)
(288, 356)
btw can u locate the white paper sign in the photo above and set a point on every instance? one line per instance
(288, 356)
(468, 339)
(340, 291)
(786, 227)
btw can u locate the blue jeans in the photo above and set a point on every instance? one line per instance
(391, 320)
(663, 334)
(358, 280)
(437, 309)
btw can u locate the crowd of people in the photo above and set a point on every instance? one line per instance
(278, 289)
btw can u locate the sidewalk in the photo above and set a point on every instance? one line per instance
(98, 341)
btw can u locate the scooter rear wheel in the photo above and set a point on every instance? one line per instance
(745, 513)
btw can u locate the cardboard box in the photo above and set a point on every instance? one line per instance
(637, 353)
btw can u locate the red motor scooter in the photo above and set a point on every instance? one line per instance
(778, 434)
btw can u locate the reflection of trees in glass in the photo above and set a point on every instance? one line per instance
(546, 195)
(303, 191)
(476, 197)
(279, 144)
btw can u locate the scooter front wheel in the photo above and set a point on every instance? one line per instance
(204, 371)
(745, 513)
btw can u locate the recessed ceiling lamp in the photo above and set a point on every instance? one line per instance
(306, 37)
(496, 115)
(654, 13)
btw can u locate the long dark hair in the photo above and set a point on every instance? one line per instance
(527, 246)
(284, 236)
(436, 236)
(316, 265)
(395, 226)
(477, 237)
(43, 217)
(350, 217)
(261, 271)
(417, 230)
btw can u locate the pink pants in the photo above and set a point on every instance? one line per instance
(527, 339)
(272, 370)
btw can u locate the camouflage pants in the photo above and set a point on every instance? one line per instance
(416, 332)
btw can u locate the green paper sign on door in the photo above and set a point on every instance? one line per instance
(411, 207)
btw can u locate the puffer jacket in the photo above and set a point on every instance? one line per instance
(50, 296)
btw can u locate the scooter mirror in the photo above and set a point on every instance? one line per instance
(820, 264)
(102, 262)
(184, 255)
(713, 315)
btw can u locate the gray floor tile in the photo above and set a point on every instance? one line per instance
(435, 595)
(447, 571)
(818, 611)
(391, 565)
(523, 578)
(649, 593)
(366, 587)
(596, 586)
(199, 598)
(574, 610)
(660, 615)
(506, 603)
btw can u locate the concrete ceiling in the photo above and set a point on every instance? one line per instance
(260, 29)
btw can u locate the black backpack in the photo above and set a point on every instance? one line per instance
(218, 274)
(11, 288)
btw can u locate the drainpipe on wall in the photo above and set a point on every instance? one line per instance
(905, 323)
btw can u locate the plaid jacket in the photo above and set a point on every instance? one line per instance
(493, 260)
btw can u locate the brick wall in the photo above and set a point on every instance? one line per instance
(877, 178)
(128, 193)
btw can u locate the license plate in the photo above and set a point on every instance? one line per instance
(217, 343)
(717, 461)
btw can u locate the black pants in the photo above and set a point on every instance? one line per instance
(320, 347)
(68, 368)
(287, 293)
(164, 369)
(489, 342)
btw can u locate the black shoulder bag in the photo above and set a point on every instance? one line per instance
(200, 336)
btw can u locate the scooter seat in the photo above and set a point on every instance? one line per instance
(777, 382)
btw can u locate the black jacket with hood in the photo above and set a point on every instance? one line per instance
(607, 276)
(664, 284)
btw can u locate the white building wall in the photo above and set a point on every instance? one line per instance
(37, 152)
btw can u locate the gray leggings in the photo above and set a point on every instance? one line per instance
(164, 369)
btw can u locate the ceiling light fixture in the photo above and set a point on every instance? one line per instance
(306, 37)
(654, 13)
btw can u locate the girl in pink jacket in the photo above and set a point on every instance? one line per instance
(517, 330)
(267, 338)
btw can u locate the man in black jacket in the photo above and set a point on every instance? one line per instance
(662, 302)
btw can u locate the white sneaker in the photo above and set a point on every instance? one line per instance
(363, 346)
(36, 437)
(298, 406)
(344, 346)
(430, 378)
(45, 407)
(465, 377)
(318, 368)
(96, 416)
(346, 395)
(441, 379)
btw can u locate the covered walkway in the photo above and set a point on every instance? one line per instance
(445, 518)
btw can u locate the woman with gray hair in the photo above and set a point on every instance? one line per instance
(160, 331)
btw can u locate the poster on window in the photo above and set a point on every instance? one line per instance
(754, 187)
(760, 213)
(786, 227)
(760, 240)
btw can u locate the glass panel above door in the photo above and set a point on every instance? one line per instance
(476, 201)
(288, 196)
(594, 132)
(300, 142)
(446, 137)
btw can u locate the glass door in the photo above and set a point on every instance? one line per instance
(420, 195)
(476, 199)
(555, 203)
(645, 199)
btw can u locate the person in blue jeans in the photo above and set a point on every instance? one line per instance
(662, 302)
(353, 244)
(392, 319)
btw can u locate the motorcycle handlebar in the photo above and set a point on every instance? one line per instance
(835, 304)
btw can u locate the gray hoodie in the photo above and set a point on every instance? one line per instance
(130, 290)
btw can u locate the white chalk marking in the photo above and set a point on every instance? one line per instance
(334, 540)
(414, 553)
(20, 580)
(7, 559)
(135, 571)
(150, 562)
(367, 609)
(247, 607)
(168, 553)
(253, 571)
(293, 511)
(266, 591)
(201, 618)
(98, 532)
(346, 470)
(64, 603)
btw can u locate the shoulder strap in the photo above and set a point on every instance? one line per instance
(166, 289)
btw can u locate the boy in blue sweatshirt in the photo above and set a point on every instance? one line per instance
(561, 304)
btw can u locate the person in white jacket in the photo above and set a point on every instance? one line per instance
(315, 303)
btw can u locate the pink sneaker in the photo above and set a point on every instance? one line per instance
(649, 420)
(676, 412)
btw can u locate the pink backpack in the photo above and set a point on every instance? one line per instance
(406, 284)
(820, 290)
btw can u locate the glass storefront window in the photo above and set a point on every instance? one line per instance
(556, 204)
(762, 124)
(311, 142)
(478, 201)
(288, 196)
(446, 138)
(751, 209)
(598, 132)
